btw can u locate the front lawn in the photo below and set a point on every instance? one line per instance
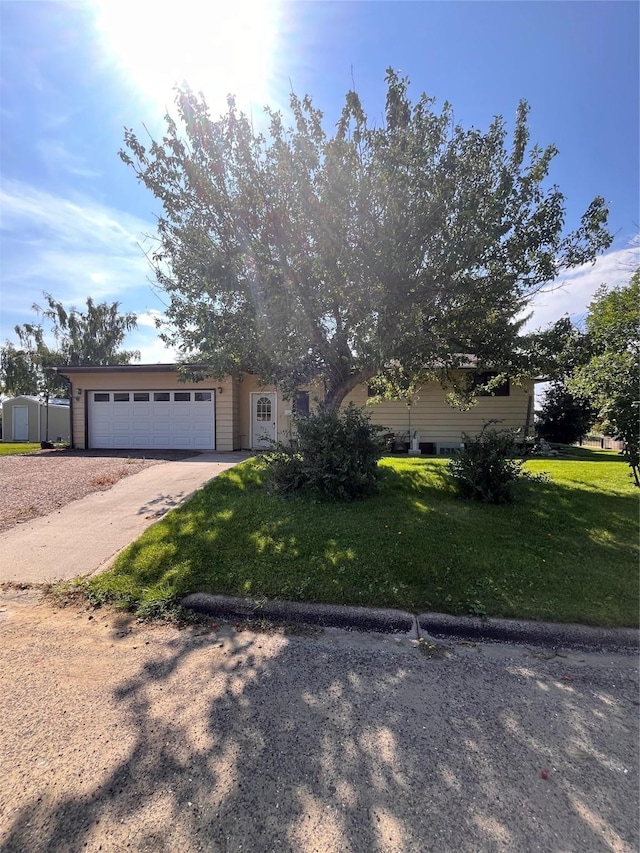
(16, 448)
(565, 551)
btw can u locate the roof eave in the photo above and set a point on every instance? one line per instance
(123, 368)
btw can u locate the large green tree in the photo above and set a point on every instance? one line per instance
(303, 255)
(63, 337)
(564, 417)
(610, 377)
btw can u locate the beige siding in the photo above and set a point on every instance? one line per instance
(434, 419)
(437, 421)
(225, 406)
(85, 383)
(237, 442)
(430, 414)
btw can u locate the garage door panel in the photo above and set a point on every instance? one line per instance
(141, 442)
(142, 410)
(151, 420)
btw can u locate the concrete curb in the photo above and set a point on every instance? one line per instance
(552, 634)
(327, 615)
(427, 625)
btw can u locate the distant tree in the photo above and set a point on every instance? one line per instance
(302, 256)
(610, 377)
(22, 368)
(18, 372)
(564, 417)
(90, 337)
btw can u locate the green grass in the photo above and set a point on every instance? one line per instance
(17, 448)
(565, 551)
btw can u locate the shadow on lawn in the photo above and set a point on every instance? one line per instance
(568, 453)
(257, 743)
(413, 546)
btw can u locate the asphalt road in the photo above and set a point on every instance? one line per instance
(118, 736)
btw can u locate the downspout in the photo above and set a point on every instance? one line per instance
(69, 386)
(46, 431)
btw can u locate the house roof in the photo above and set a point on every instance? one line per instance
(123, 368)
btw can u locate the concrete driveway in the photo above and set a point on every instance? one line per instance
(84, 536)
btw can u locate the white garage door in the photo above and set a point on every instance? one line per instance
(147, 419)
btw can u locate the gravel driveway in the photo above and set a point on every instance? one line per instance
(122, 736)
(39, 483)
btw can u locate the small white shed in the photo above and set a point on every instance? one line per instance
(27, 418)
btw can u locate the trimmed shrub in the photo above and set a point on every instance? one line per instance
(336, 456)
(487, 469)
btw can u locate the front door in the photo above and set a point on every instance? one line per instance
(21, 423)
(263, 419)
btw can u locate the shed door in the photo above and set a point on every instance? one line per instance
(263, 419)
(21, 423)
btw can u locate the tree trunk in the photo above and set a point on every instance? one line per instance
(338, 390)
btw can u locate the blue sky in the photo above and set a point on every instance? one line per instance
(73, 219)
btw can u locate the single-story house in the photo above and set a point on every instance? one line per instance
(27, 418)
(147, 406)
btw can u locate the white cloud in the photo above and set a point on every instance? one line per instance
(152, 349)
(71, 246)
(573, 292)
(149, 318)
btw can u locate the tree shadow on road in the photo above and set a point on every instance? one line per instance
(229, 740)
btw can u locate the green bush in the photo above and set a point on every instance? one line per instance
(486, 470)
(336, 456)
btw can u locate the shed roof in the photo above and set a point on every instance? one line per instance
(30, 398)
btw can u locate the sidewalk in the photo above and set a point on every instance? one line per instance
(83, 536)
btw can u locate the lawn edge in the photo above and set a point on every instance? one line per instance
(530, 632)
(381, 620)
(425, 625)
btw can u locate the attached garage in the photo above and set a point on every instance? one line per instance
(149, 406)
(184, 420)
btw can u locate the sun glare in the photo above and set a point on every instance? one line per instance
(218, 48)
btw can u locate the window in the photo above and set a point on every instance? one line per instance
(182, 396)
(140, 396)
(482, 379)
(101, 398)
(202, 396)
(121, 397)
(263, 409)
(301, 403)
(161, 397)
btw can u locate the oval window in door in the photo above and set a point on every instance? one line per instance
(263, 409)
